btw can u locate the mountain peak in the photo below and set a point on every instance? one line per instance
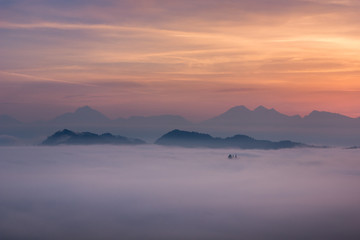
(85, 109)
(233, 113)
(65, 132)
(326, 116)
(186, 134)
(86, 138)
(261, 108)
(196, 139)
(314, 112)
(238, 108)
(242, 115)
(82, 115)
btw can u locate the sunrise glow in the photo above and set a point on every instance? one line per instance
(181, 57)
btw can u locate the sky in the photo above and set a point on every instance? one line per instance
(192, 58)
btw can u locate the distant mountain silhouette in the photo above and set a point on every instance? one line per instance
(7, 120)
(241, 115)
(318, 127)
(195, 139)
(86, 138)
(328, 116)
(83, 115)
(86, 117)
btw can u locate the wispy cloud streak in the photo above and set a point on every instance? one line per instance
(289, 47)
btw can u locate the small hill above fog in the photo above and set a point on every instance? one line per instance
(86, 138)
(195, 139)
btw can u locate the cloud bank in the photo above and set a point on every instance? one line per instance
(150, 192)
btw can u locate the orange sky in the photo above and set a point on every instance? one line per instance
(193, 58)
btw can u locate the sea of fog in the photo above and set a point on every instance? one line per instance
(153, 192)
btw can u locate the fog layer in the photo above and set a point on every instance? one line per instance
(153, 192)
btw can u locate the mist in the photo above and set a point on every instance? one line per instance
(154, 192)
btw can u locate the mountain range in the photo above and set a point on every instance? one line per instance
(242, 115)
(318, 127)
(175, 137)
(234, 116)
(68, 137)
(194, 139)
